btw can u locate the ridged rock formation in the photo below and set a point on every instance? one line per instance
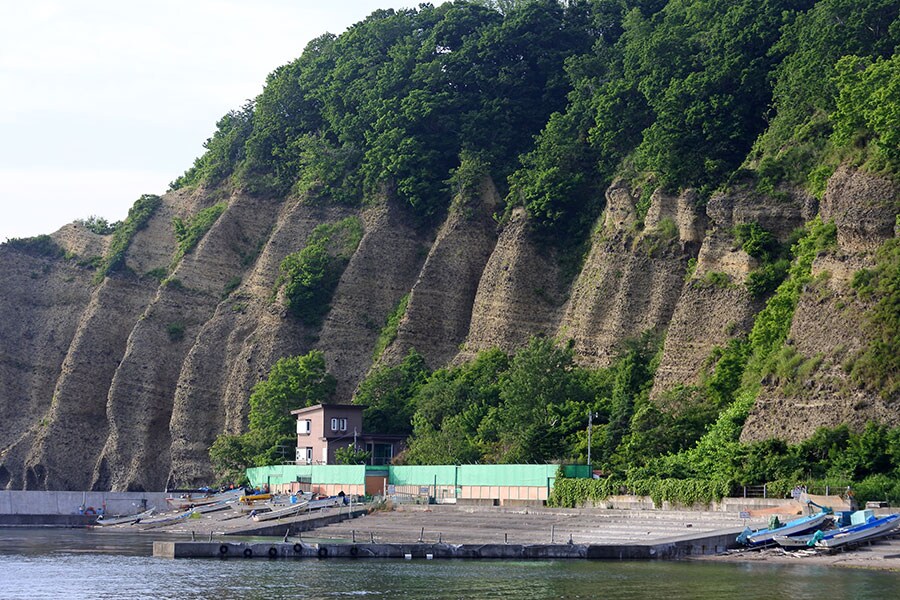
(124, 384)
(439, 309)
(708, 314)
(518, 293)
(630, 283)
(828, 325)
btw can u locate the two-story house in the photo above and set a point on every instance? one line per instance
(324, 428)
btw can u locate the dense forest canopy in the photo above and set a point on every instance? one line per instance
(553, 100)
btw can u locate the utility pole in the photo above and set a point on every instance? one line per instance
(590, 427)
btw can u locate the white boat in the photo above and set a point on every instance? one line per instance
(326, 502)
(105, 521)
(190, 500)
(279, 511)
(287, 510)
(164, 520)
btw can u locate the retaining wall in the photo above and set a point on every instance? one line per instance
(19, 502)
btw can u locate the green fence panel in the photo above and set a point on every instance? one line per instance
(507, 475)
(480, 475)
(340, 474)
(324, 474)
(423, 475)
(275, 475)
(578, 471)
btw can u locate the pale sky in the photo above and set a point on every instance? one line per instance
(104, 100)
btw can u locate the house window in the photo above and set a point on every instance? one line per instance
(334, 424)
(304, 427)
(338, 424)
(343, 424)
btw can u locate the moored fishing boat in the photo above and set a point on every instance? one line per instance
(201, 498)
(870, 530)
(280, 512)
(763, 537)
(164, 520)
(105, 521)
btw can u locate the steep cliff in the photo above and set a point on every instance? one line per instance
(711, 311)
(632, 277)
(125, 384)
(439, 309)
(828, 329)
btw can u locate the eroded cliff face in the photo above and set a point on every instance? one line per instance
(710, 312)
(126, 383)
(631, 280)
(828, 328)
(439, 309)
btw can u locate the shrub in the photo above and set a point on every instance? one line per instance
(716, 279)
(766, 279)
(41, 245)
(189, 233)
(98, 225)
(310, 276)
(138, 217)
(231, 285)
(755, 241)
(388, 333)
(877, 365)
(175, 331)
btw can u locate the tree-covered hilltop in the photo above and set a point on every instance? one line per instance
(556, 98)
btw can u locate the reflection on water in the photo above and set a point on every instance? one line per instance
(90, 564)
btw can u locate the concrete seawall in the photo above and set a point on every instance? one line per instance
(708, 543)
(71, 509)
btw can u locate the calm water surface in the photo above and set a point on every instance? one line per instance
(90, 564)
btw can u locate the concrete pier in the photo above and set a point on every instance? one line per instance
(703, 544)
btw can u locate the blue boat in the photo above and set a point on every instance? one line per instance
(870, 530)
(764, 537)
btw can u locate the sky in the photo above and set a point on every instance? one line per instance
(104, 100)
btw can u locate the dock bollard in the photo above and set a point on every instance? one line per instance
(372, 536)
(353, 535)
(440, 538)
(193, 537)
(422, 536)
(552, 531)
(506, 538)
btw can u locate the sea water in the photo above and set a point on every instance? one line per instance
(54, 563)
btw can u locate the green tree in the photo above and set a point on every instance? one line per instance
(293, 382)
(348, 455)
(541, 377)
(868, 103)
(231, 456)
(309, 277)
(387, 393)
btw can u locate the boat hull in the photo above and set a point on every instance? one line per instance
(764, 537)
(860, 533)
